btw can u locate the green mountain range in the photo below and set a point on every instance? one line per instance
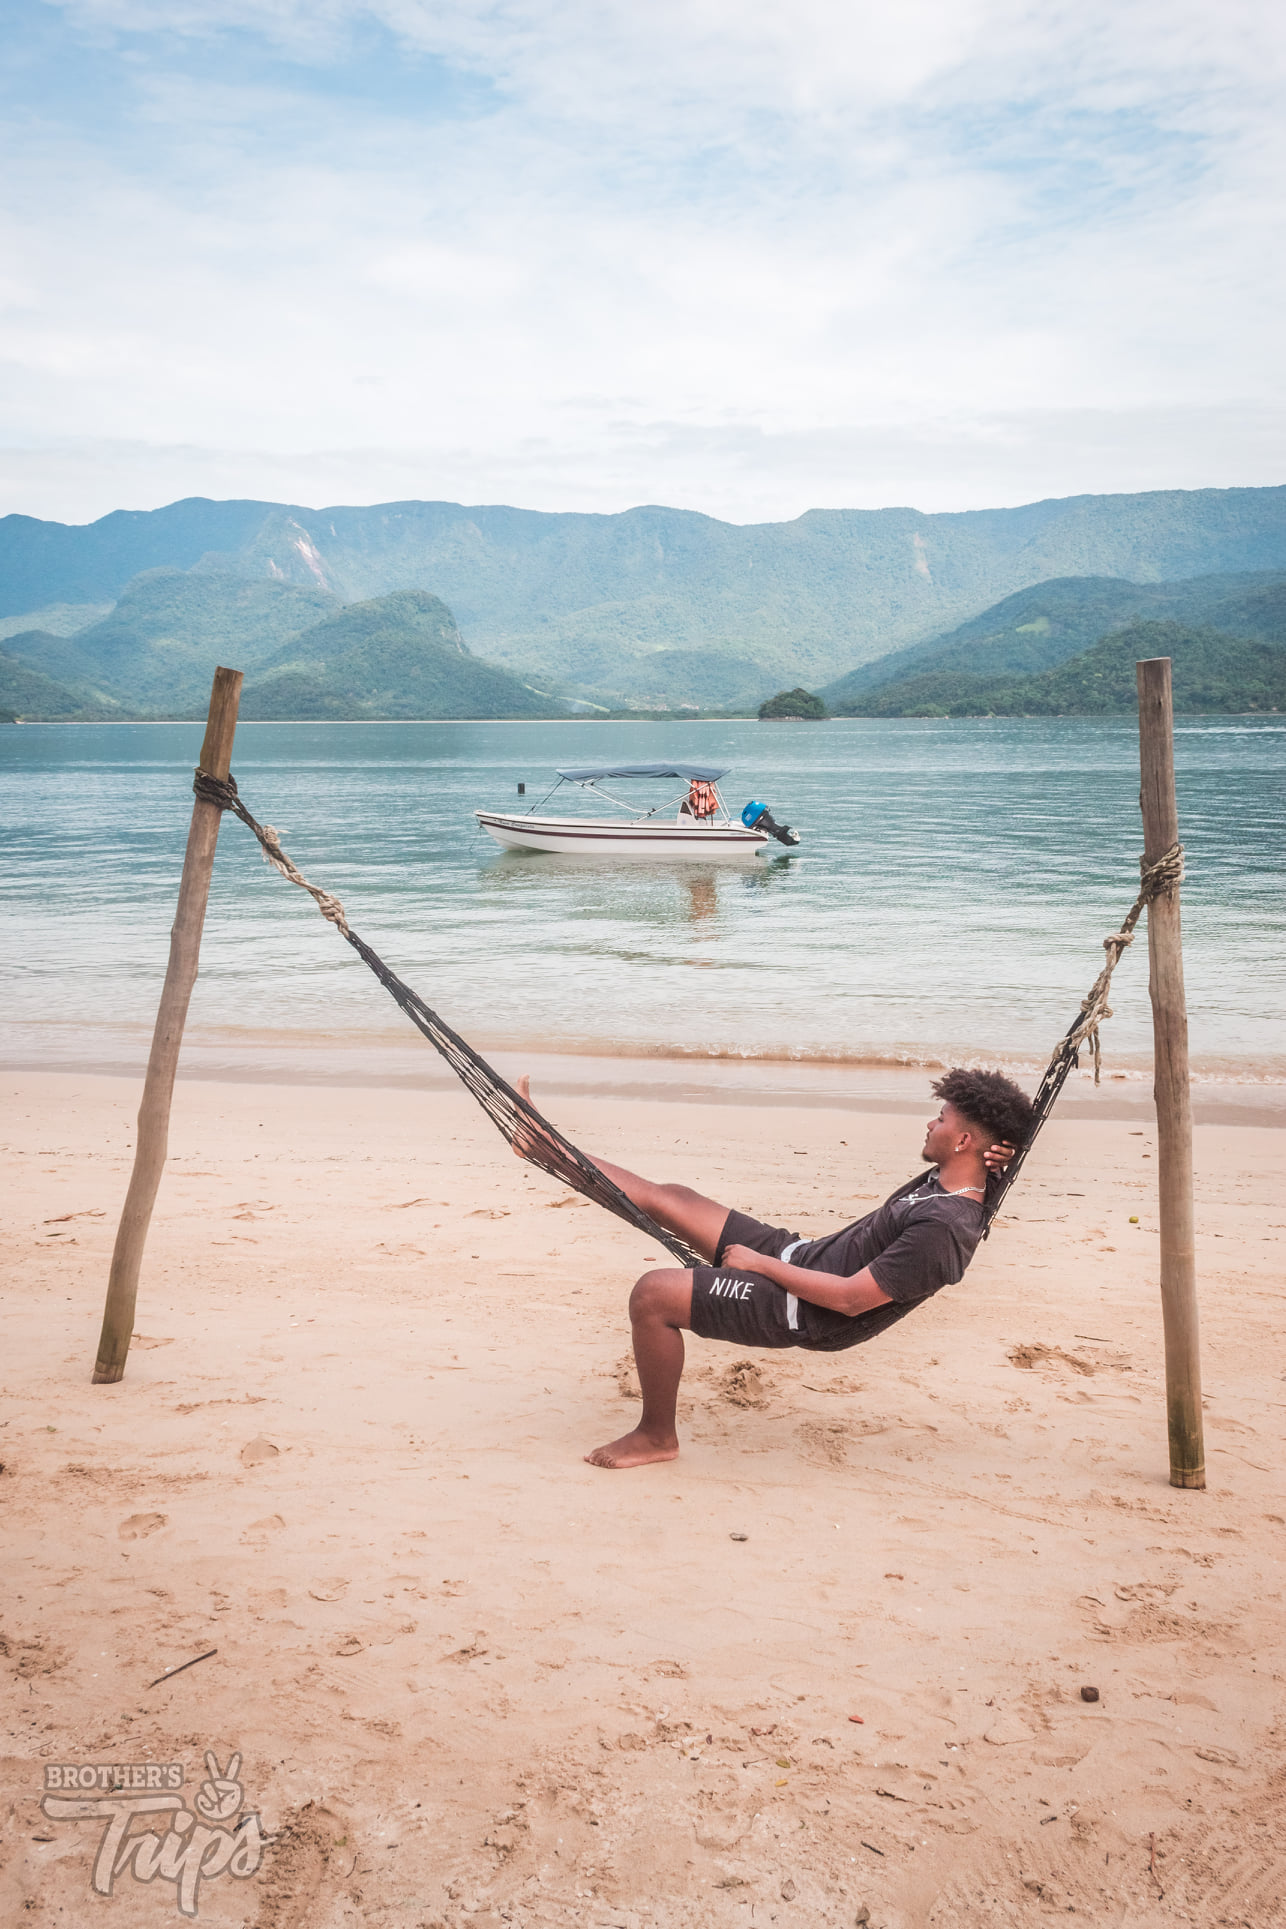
(306, 654)
(1059, 649)
(659, 607)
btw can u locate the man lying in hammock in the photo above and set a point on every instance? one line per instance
(767, 1287)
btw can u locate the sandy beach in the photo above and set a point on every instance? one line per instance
(825, 1669)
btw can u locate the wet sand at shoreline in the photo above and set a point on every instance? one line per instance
(1226, 1093)
(474, 1680)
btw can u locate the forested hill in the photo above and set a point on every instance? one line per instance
(1008, 659)
(306, 655)
(657, 602)
(395, 656)
(1212, 672)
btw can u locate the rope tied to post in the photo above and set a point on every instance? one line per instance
(223, 794)
(1158, 879)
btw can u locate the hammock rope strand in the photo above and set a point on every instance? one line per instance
(1159, 879)
(529, 1133)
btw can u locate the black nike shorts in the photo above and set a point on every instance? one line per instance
(745, 1308)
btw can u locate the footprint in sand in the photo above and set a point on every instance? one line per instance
(256, 1535)
(1049, 1357)
(139, 1526)
(332, 1589)
(264, 1599)
(380, 1634)
(474, 1652)
(256, 1451)
(297, 1867)
(721, 1820)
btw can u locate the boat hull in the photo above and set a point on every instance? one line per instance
(603, 837)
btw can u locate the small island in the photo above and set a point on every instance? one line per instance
(793, 706)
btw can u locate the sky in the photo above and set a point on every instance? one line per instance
(747, 257)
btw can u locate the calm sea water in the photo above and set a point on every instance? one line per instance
(948, 899)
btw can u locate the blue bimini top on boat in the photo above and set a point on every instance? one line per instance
(702, 773)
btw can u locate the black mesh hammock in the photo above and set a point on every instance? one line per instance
(542, 1144)
(513, 1116)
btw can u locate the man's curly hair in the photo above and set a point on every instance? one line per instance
(990, 1101)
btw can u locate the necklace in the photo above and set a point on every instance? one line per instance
(953, 1192)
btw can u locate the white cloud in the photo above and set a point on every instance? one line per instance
(736, 471)
(747, 259)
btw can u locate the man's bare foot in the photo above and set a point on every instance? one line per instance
(525, 1137)
(637, 1449)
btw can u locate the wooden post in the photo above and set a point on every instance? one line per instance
(1171, 1088)
(158, 1086)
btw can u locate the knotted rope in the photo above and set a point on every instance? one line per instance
(1159, 879)
(529, 1133)
(225, 796)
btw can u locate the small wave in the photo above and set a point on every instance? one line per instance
(384, 1055)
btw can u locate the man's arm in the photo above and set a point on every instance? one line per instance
(835, 1291)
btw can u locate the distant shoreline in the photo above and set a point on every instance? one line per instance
(621, 716)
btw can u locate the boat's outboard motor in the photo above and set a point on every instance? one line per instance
(758, 817)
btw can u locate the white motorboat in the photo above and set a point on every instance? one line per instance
(695, 824)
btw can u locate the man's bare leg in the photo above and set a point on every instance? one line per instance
(660, 1307)
(678, 1208)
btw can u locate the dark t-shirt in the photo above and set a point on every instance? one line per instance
(921, 1238)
